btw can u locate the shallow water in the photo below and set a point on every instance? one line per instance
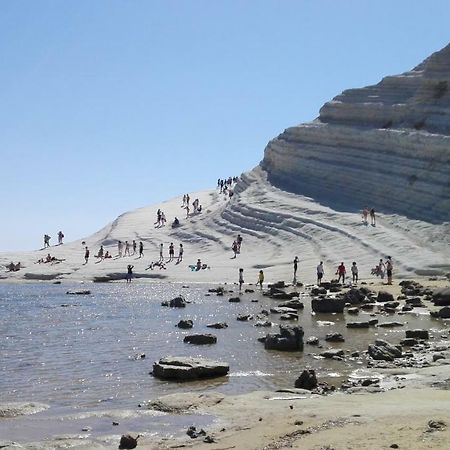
(76, 353)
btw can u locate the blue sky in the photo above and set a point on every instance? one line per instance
(106, 106)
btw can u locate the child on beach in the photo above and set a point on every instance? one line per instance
(241, 278)
(260, 279)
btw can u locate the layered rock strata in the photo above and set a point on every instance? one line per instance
(387, 146)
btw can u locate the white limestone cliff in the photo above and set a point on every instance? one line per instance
(385, 146)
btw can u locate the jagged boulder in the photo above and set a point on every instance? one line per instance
(443, 313)
(334, 337)
(185, 324)
(384, 351)
(177, 302)
(328, 305)
(295, 304)
(307, 380)
(187, 368)
(290, 338)
(441, 297)
(384, 296)
(362, 324)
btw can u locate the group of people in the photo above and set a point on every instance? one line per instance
(366, 213)
(384, 268)
(47, 239)
(259, 282)
(341, 271)
(125, 248)
(236, 246)
(160, 219)
(225, 184)
(196, 207)
(49, 259)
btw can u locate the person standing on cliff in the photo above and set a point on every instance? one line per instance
(141, 249)
(365, 213)
(372, 217)
(60, 237)
(320, 273)
(86, 255)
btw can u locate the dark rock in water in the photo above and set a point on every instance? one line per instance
(443, 313)
(416, 302)
(328, 305)
(290, 338)
(384, 296)
(318, 291)
(334, 337)
(354, 296)
(187, 368)
(283, 295)
(335, 288)
(57, 282)
(85, 292)
(313, 340)
(373, 322)
(417, 334)
(234, 300)
(278, 285)
(194, 434)
(407, 308)
(353, 311)
(294, 304)
(128, 442)
(218, 325)
(391, 305)
(185, 324)
(177, 302)
(200, 339)
(332, 353)
(244, 317)
(358, 325)
(441, 297)
(249, 291)
(307, 380)
(383, 350)
(367, 306)
(409, 342)
(390, 324)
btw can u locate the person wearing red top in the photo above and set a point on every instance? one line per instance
(341, 272)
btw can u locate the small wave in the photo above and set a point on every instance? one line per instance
(251, 373)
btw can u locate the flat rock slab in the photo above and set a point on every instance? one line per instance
(200, 339)
(185, 401)
(14, 409)
(187, 368)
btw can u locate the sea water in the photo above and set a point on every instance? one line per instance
(82, 355)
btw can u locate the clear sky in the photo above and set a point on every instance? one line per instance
(106, 106)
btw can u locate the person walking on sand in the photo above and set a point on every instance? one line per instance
(260, 279)
(120, 248)
(129, 273)
(46, 240)
(381, 269)
(161, 252)
(354, 272)
(341, 272)
(239, 243)
(389, 269)
(141, 249)
(295, 268)
(372, 217)
(365, 213)
(320, 273)
(60, 237)
(234, 247)
(127, 249)
(180, 253)
(241, 278)
(86, 255)
(134, 247)
(171, 252)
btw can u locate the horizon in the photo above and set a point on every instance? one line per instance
(111, 106)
